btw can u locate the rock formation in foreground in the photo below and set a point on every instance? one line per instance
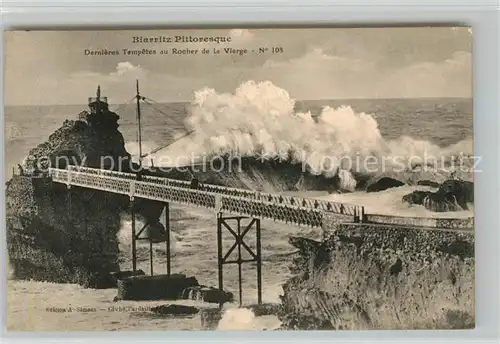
(382, 278)
(54, 237)
(452, 195)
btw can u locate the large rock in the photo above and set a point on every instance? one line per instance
(304, 323)
(159, 287)
(382, 278)
(70, 236)
(176, 310)
(441, 202)
(416, 197)
(119, 275)
(461, 189)
(452, 195)
(384, 184)
(430, 183)
(207, 294)
(52, 239)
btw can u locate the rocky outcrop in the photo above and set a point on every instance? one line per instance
(53, 238)
(207, 294)
(441, 202)
(428, 183)
(157, 287)
(69, 235)
(416, 197)
(177, 310)
(382, 278)
(90, 142)
(384, 184)
(452, 195)
(461, 189)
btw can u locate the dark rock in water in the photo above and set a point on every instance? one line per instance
(302, 322)
(462, 190)
(416, 197)
(207, 294)
(428, 183)
(384, 184)
(266, 309)
(118, 275)
(441, 202)
(452, 195)
(179, 310)
(155, 232)
(97, 280)
(159, 287)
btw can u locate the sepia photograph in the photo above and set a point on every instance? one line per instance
(240, 179)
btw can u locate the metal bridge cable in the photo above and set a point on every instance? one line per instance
(121, 106)
(152, 100)
(169, 144)
(148, 101)
(231, 129)
(170, 120)
(154, 107)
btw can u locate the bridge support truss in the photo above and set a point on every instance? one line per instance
(239, 232)
(136, 236)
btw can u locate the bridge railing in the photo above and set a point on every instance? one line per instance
(175, 194)
(285, 213)
(293, 201)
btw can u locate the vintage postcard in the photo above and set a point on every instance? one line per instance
(235, 179)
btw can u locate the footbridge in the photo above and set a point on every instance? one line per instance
(287, 209)
(237, 211)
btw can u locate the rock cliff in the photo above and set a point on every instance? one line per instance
(69, 235)
(382, 278)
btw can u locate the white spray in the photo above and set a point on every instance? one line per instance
(258, 119)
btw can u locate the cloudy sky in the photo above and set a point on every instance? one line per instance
(51, 67)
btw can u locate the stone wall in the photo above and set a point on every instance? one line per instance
(331, 221)
(422, 221)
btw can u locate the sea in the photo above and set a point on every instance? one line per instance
(264, 119)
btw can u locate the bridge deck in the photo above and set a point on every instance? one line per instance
(287, 209)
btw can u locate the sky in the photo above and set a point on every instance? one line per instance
(50, 67)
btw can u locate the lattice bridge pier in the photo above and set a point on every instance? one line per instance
(136, 236)
(239, 227)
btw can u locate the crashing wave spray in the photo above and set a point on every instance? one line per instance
(259, 120)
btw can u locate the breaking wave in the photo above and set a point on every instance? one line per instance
(258, 122)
